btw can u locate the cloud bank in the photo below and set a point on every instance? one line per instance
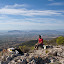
(11, 10)
(56, 4)
(29, 18)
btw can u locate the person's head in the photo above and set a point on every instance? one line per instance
(39, 36)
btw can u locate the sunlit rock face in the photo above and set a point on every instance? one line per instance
(49, 55)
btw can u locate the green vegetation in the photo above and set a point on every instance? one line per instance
(47, 51)
(13, 41)
(56, 62)
(29, 43)
(60, 40)
(44, 42)
(32, 48)
(56, 41)
(24, 48)
(52, 42)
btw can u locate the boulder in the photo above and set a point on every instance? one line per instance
(62, 61)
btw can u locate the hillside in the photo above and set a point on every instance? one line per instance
(15, 37)
(42, 56)
(33, 42)
(29, 43)
(51, 53)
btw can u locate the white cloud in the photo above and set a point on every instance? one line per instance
(30, 23)
(57, 3)
(50, 0)
(16, 6)
(31, 20)
(14, 10)
(3, 17)
(25, 22)
(26, 12)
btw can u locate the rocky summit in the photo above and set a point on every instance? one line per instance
(50, 55)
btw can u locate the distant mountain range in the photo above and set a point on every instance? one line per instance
(32, 34)
(38, 31)
(15, 31)
(13, 37)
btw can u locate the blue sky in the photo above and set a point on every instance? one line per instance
(31, 14)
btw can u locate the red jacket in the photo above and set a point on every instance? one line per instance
(40, 40)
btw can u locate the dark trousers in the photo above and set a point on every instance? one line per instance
(38, 45)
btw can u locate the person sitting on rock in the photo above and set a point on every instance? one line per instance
(40, 42)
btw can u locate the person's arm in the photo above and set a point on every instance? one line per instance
(37, 42)
(40, 42)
